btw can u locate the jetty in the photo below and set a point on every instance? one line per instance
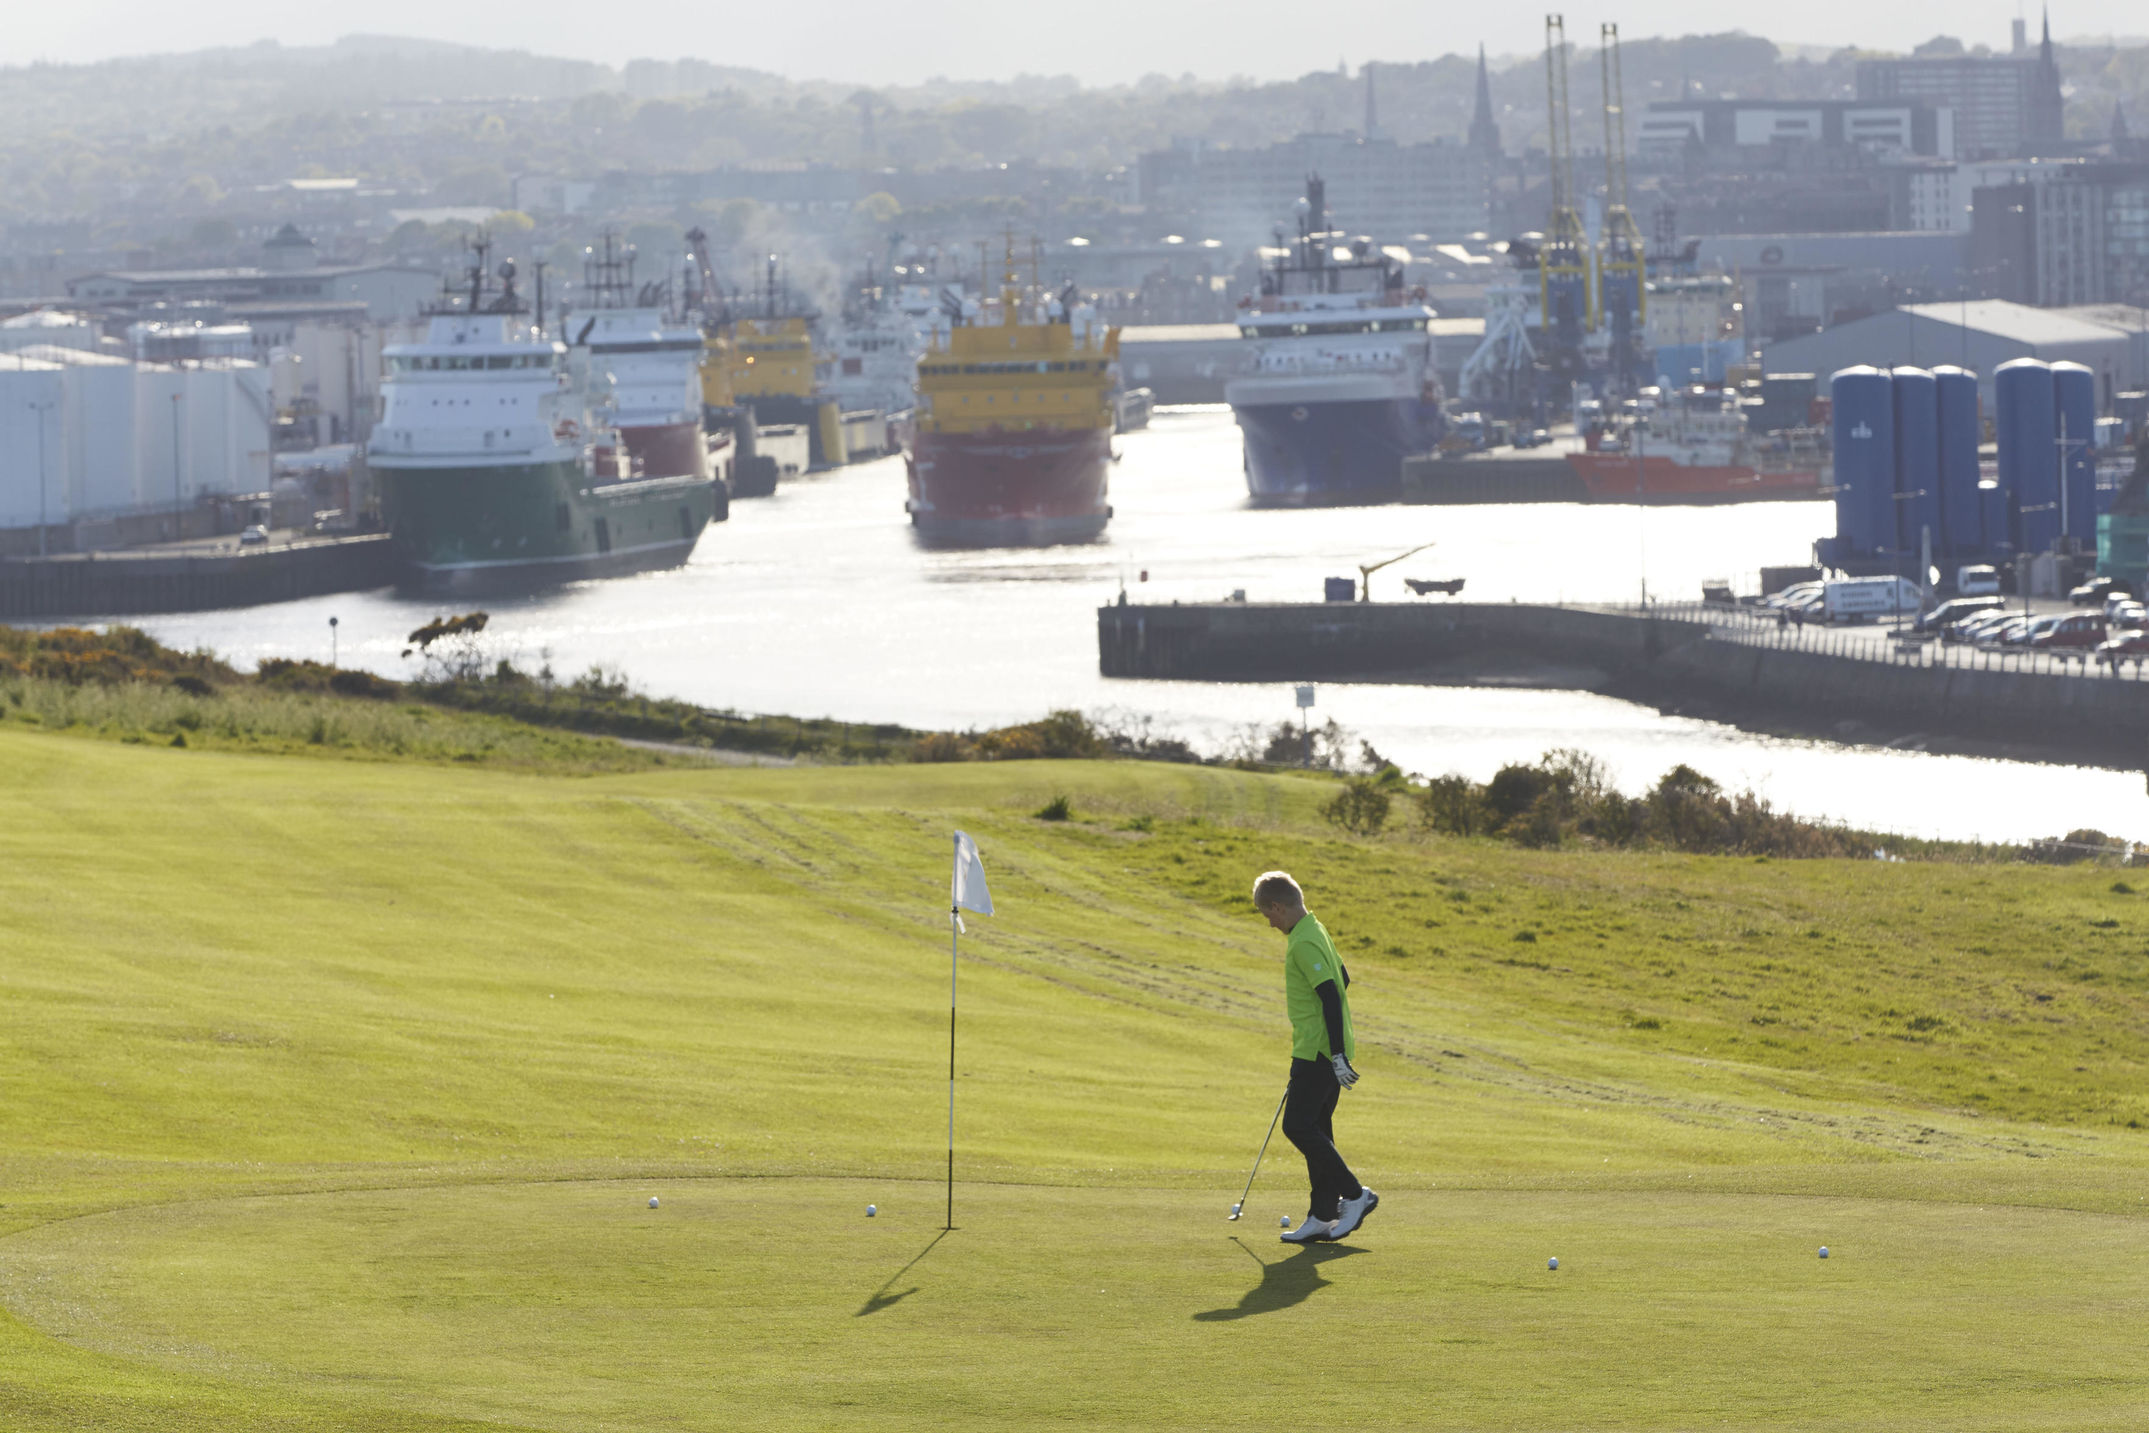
(1724, 662)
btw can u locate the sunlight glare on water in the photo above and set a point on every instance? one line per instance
(818, 602)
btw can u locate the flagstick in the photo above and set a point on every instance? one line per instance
(955, 922)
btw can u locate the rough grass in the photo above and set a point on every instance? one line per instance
(337, 1091)
(266, 719)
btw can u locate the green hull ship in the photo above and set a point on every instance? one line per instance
(475, 529)
(492, 476)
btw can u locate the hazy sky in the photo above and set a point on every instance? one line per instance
(1098, 41)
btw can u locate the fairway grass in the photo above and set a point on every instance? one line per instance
(336, 1093)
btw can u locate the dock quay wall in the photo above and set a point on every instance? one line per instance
(1731, 666)
(108, 584)
(1452, 482)
(1244, 641)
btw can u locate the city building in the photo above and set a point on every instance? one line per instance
(1937, 196)
(1484, 139)
(1740, 132)
(1375, 186)
(2078, 235)
(290, 271)
(2005, 107)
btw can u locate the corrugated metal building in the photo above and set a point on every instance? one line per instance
(1979, 335)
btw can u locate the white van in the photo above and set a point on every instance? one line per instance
(1860, 599)
(1977, 581)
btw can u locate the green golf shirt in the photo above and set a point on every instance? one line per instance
(1308, 960)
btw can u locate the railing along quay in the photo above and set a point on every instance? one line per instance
(1881, 646)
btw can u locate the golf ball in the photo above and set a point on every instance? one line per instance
(1552, 1263)
(652, 1201)
(1824, 1251)
(1283, 1221)
(871, 1210)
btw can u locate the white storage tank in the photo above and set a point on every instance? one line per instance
(33, 396)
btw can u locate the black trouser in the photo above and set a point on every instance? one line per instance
(1309, 1108)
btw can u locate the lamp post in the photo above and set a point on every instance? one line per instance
(331, 641)
(40, 407)
(179, 499)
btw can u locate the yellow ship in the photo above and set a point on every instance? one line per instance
(1014, 424)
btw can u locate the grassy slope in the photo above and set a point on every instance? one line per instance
(335, 1092)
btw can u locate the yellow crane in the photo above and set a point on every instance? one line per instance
(1367, 569)
(1563, 285)
(1622, 275)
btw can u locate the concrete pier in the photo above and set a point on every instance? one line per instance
(1726, 665)
(109, 583)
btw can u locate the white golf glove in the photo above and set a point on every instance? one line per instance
(1345, 1075)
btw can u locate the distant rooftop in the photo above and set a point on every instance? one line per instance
(2019, 322)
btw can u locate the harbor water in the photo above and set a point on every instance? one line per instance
(818, 602)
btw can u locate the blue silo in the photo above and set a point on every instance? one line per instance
(2074, 398)
(1962, 516)
(2029, 462)
(1864, 423)
(1917, 460)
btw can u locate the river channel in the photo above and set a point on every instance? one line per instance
(819, 602)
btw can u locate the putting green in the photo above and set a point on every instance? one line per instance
(332, 1095)
(778, 1303)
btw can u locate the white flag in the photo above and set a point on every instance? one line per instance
(967, 891)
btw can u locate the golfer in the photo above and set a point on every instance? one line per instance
(1316, 996)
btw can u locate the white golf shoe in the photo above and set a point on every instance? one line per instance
(1352, 1212)
(1309, 1231)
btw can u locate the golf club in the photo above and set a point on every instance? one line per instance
(1257, 1158)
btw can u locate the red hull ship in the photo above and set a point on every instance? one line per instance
(1692, 445)
(1621, 478)
(1013, 436)
(1032, 486)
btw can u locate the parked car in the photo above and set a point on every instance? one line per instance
(2002, 632)
(1973, 628)
(2127, 614)
(1977, 581)
(2123, 647)
(2079, 629)
(2093, 592)
(254, 536)
(1954, 610)
(1790, 595)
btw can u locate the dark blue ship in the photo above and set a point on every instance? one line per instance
(1338, 385)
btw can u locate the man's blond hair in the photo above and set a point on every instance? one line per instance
(1276, 888)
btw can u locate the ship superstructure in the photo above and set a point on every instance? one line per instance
(1338, 384)
(1693, 445)
(1014, 423)
(493, 472)
(644, 366)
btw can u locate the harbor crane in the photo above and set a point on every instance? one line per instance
(1622, 265)
(1563, 279)
(1367, 569)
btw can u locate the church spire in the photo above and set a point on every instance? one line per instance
(1484, 131)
